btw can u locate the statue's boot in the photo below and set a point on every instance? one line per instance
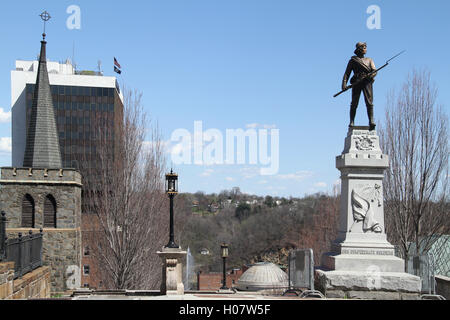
(370, 115)
(352, 116)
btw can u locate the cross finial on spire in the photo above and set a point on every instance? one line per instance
(45, 16)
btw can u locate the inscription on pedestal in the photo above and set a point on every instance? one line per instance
(368, 251)
(364, 132)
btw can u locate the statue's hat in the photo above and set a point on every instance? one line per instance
(359, 45)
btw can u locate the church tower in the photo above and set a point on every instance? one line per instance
(43, 194)
(42, 144)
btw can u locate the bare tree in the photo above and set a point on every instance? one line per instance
(319, 227)
(415, 136)
(127, 200)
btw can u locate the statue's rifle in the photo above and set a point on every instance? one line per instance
(368, 75)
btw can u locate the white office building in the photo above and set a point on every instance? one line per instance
(78, 97)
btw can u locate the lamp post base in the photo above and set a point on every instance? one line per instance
(172, 268)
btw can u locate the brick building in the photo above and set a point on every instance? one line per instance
(213, 280)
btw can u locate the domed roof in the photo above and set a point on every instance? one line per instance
(263, 275)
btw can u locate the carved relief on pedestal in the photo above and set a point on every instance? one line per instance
(364, 143)
(364, 202)
(171, 274)
(171, 263)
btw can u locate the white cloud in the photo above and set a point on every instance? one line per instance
(320, 185)
(252, 125)
(249, 172)
(298, 176)
(176, 149)
(5, 116)
(5, 145)
(207, 173)
(276, 188)
(171, 147)
(229, 179)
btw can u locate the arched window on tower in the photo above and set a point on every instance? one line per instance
(49, 212)
(27, 211)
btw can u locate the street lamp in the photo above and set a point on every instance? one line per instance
(171, 190)
(224, 249)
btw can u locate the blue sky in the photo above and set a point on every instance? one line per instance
(234, 63)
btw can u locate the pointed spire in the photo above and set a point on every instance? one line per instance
(42, 145)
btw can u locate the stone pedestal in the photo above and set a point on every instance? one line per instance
(172, 268)
(362, 259)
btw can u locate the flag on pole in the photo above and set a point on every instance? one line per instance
(117, 63)
(117, 66)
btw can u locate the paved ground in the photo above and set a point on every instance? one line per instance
(154, 295)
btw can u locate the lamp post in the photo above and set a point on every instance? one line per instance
(224, 249)
(171, 190)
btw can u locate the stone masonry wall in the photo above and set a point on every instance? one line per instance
(63, 185)
(35, 284)
(61, 245)
(62, 251)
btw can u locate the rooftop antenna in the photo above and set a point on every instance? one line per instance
(73, 57)
(45, 16)
(99, 66)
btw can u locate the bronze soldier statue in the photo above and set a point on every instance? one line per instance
(363, 77)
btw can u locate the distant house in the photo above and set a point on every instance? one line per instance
(195, 204)
(213, 207)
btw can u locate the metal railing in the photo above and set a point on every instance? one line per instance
(422, 265)
(24, 251)
(2, 236)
